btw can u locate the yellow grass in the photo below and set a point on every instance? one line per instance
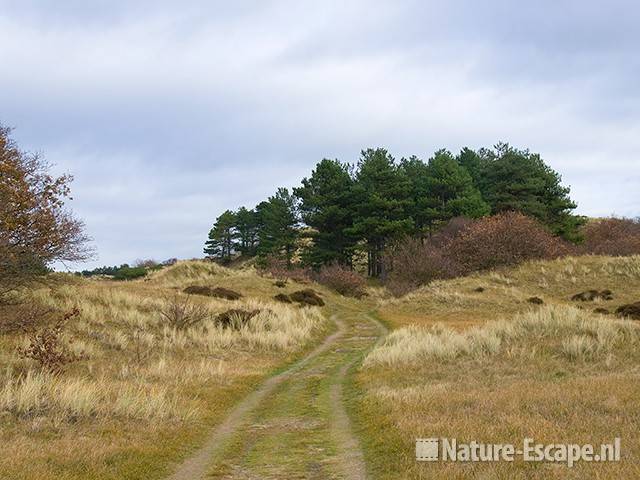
(140, 379)
(488, 366)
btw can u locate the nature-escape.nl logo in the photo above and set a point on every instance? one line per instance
(450, 450)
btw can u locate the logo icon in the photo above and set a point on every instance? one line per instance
(427, 449)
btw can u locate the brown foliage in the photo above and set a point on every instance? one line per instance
(235, 318)
(343, 280)
(631, 310)
(465, 246)
(282, 297)
(218, 292)
(35, 227)
(505, 239)
(283, 271)
(612, 236)
(591, 295)
(307, 296)
(413, 262)
(180, 313)
(47, 347)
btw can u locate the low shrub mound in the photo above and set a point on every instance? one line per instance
(535, 300)
(502, 240)
(307, 296)
(591, 295)
(612, 236)
(468, 246)
(198, 290)
(630, 310)
(235, 318)
(413, 262)
(280, 284)
(218, 292)
(282, 297)
(342, 280)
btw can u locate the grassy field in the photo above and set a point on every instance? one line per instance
(144, 394)
(490, 366)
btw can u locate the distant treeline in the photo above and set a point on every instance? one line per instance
(344, 211)
(126, 271)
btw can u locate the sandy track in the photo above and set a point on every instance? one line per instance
(295, 424)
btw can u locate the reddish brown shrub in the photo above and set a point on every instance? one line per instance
(282, 271)
(506, 239)
(612, 236)
(47, 346)
(344, 281)
(412, 262)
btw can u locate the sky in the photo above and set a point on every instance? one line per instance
(168, 113)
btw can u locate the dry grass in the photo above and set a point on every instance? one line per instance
(139, 376)
(558, 329)
(490, 367)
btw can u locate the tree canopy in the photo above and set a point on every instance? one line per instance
(344, 213)
(36, 228)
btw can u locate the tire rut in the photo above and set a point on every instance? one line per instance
(310, 393)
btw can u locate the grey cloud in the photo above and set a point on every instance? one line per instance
(168, 114)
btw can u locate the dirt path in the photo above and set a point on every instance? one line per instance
(295, 425)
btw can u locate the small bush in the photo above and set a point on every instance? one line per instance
(631, 310)
(612, 236)
(307, 297)
(283, 271)
(344, 281)
(282, 298)
(130, 273)
(413, 262)
(501, 240)
(180, 313)
(48, 348)
(235, 319)
(218, 292)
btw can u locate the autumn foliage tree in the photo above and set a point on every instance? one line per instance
(35, 227)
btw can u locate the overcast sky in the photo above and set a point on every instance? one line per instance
(167, 113)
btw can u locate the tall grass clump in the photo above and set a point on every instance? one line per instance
(562, 330)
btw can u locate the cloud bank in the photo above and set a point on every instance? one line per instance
(167, 114)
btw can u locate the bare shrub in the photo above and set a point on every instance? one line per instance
(612, 236)
(283, 271)
(181, 313)
(145, 263)
(412, 262)
(47, 346)
(505, 239)
(343, 280)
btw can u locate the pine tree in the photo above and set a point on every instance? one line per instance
(325, 205)
(246, 231)
(278, 230)
(518, 180)
(381, 204)
(220, 244)
(419, 209)
(451, 192)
